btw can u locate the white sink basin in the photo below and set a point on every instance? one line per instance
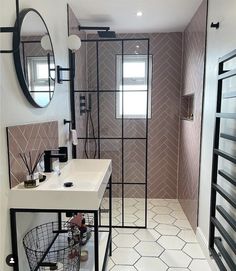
(89, 177)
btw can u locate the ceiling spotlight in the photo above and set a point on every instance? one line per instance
(139, 13)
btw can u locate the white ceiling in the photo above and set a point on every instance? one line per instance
(120, 15)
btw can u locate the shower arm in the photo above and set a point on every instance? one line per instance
(97, 28)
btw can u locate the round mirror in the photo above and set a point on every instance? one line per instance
(34, 61)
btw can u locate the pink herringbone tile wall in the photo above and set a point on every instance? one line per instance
(190, 131)
(34, 138)
(166, 50)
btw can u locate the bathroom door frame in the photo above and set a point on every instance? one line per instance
(122, 138)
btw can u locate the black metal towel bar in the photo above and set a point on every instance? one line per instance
(14, 29)
(219, 252)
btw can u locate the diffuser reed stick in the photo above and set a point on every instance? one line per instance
(25, 162)
(28, 162)
(37, 161)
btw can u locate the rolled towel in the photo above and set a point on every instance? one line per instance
(74, 137)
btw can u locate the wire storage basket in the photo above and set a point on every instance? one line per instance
(53, 246)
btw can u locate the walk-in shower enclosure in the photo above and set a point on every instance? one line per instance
(113, 84)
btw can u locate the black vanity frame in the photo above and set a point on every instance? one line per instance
(97, 224)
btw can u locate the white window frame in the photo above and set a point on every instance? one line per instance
(32, 62)
(132, 81)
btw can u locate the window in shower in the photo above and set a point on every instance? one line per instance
(135, 82)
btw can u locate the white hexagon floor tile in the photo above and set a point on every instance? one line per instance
(110, 264)
(125, 256)
(149, 249)
(125, 240)
(130, 224)
(140, 205)
(176, 258)
(188, 236)
(197, 265)
(194, 251)
(115, 212)
(147, 235)
(105, 221)
(139, 223)
(167, 229)
(149, 204)
(123, 268)
(150, 264)
(141, 214)
(178, 269)
(130, 210)
(162, 210)
(182, 224)
(116, 203)
(171, 242)
(113, 246)
(130, 202)
(126, 230)
(130, 218)
(105, 203)
(114, 232)
(158, 202)
(175, 206)
(178, 215)
(151, 224)
(150, 214)
(165, 219)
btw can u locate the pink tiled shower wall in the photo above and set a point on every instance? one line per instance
(190, 131)
(34, 138)
(166, 50)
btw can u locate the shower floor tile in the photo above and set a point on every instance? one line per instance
(169, 243)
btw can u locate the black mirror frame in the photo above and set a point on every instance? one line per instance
(17, 58)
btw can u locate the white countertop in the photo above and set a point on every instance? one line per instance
(89, 176)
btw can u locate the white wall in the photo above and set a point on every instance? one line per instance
(219, 43)
(14, 107)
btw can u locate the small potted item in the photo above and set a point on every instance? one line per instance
(85, 231)
(84, 255)
(32, 178)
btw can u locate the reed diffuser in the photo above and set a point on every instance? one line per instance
(32, 178)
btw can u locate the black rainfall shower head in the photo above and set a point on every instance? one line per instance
(107, 34)
(103, 32)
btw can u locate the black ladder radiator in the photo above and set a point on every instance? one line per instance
(218, 234)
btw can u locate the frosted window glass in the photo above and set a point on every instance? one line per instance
(42, 71)
(135, 104)
(135, 86)
(134, 69)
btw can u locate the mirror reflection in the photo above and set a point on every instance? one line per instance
(37, 60)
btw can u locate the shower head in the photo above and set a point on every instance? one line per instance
(107, 34)
(103, 32)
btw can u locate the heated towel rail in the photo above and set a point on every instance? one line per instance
(219, 236)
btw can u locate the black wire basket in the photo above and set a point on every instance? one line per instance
(51, 246)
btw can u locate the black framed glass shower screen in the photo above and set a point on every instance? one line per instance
(124, 140)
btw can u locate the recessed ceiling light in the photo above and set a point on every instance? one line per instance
(139, 13)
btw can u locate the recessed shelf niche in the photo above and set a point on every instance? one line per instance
(187, 107)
